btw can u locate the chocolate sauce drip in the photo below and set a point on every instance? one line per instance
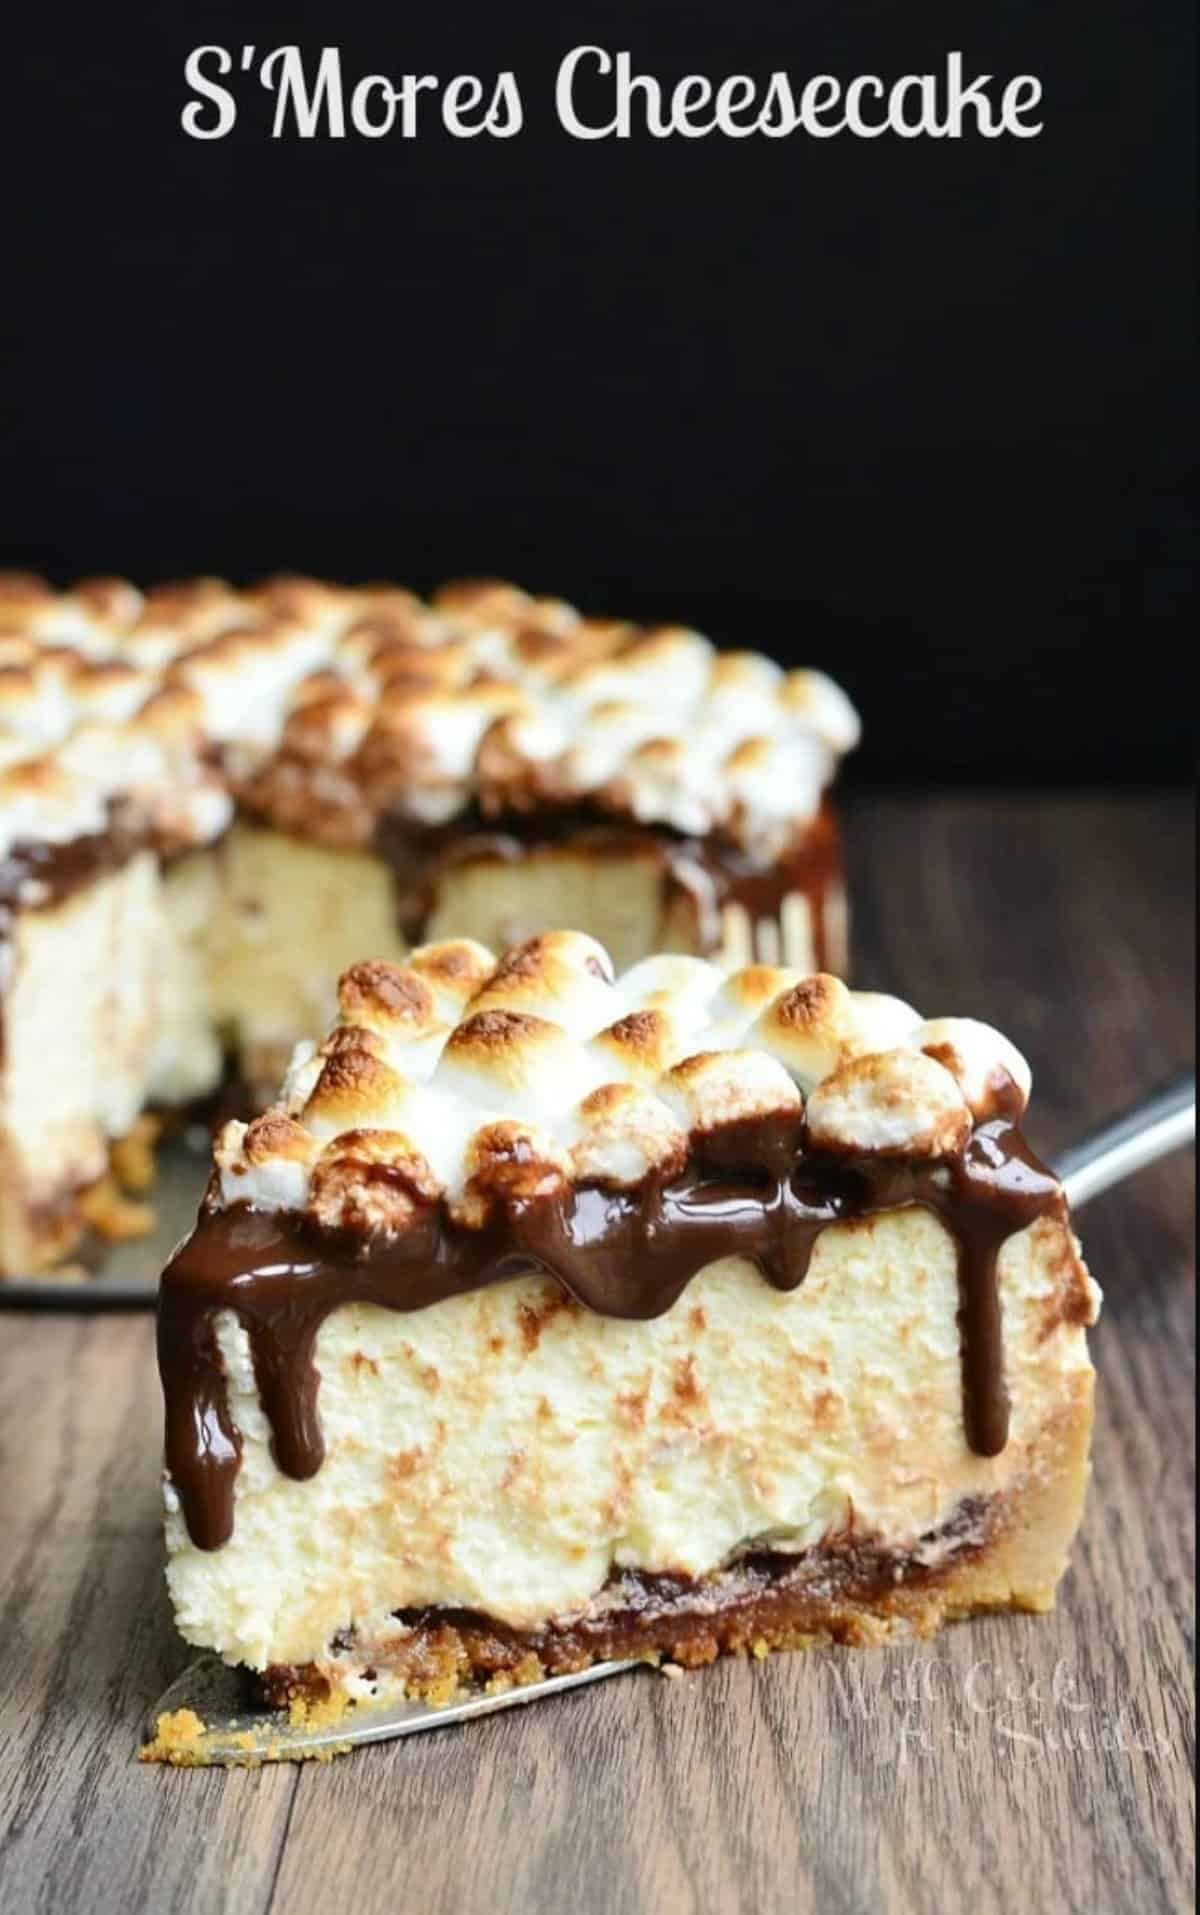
(712, 871)
(750, 1190)
(36, 873)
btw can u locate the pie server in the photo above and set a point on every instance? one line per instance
(237, 1736)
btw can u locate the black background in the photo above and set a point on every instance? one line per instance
(919, 412)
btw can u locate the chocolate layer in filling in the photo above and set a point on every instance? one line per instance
(751, 1189)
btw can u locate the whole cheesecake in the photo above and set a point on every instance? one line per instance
(554, 1314)
(211, 801)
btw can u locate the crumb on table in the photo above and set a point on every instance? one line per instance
(178, 1739)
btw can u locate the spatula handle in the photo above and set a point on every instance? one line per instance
(1157, 1124)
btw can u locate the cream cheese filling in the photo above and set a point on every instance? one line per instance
(506, 1450)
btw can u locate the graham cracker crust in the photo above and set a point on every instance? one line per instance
(849, 1591)
(36, 1238)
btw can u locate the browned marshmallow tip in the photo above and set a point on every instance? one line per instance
(174, 711)
(716, 1088)
(554, 956)
(386, 997)
(458, 964)
(355, 1088)
(492, 1033)
(639, 1047)
(109, 601)
(990, 1071)
(373, 1181)
(265, 1163)
(293, 596)
(753, 754)
(21, 589)
(509, 1162)
(745, 671)
(326, 724)
(482, 597)
(187, 603)
(811, 1028)
(563, 976)
(626, 1133)
(893, 1103)
(500, 1053)
(752, 989)
(274, 1135)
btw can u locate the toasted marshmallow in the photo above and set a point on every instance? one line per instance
(640, 1046)
(810, 1028)
(300, 1078)
(681, 985)
(269, 1159)
(22, 596)
(747, 676)
(991, 1073)
(723, 1087)
(39, 804)
(356, 1090)
(509, 1061)
(454, 970)
(624, 1134)
(442, 1072)
(489, 697)
(483, 601)
(390, 999)
(326, 726)
(884, 1022)
(562, 975)
(824, 706)
(509, 1162)
(304, 601)
(372, 1181)
(760, 775)
(393, 1003)
(892, 1104)
(742, 999)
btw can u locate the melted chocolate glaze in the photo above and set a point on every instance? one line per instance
(751, 1190)
(711, 871)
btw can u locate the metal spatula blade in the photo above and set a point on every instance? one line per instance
(1162, 1122)
(234, 1736)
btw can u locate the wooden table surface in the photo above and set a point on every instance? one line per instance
(1018, 1762)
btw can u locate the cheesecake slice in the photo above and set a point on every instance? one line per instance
(553, 1314)
(212, 801)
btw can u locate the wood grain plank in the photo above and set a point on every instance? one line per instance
(1032, 1762)
(87, 1643)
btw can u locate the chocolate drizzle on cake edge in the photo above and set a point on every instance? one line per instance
(711, 872)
